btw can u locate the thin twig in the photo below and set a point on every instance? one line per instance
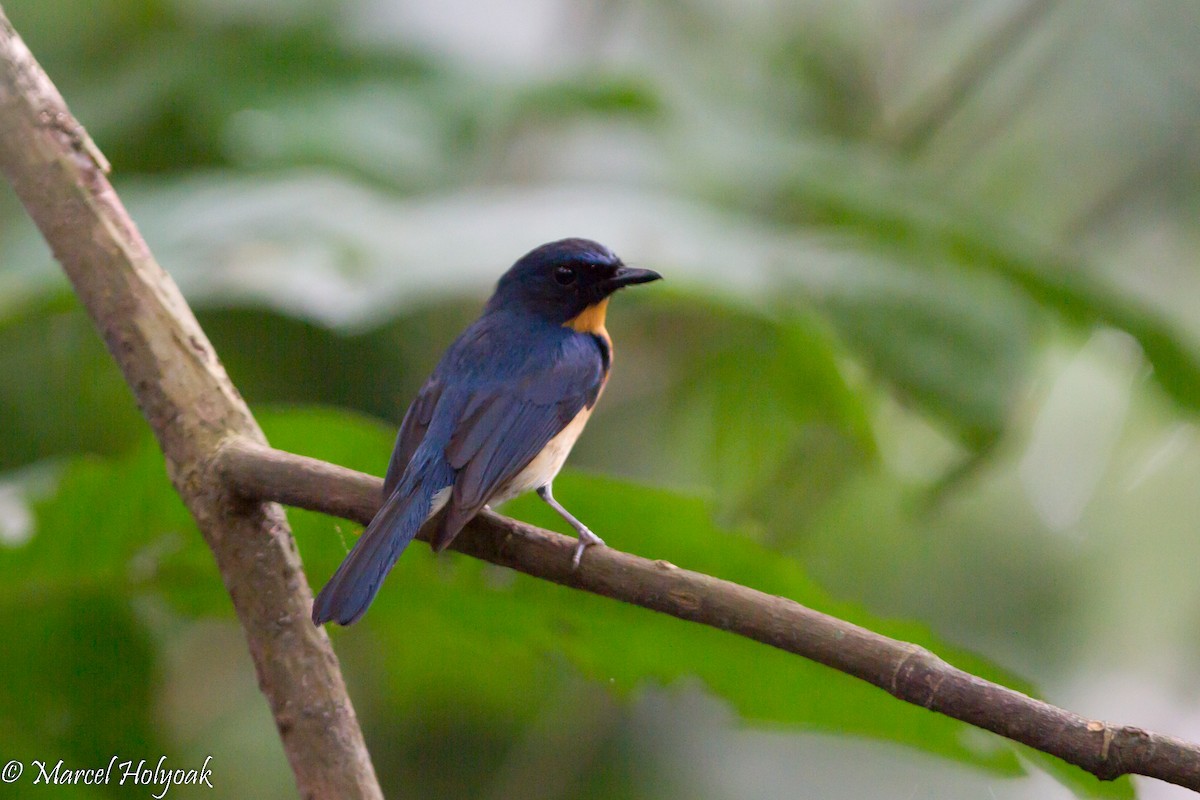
(189, 401)
(907, 671)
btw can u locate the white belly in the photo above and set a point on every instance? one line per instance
(546, 464)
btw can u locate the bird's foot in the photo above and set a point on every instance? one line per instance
(586, 539)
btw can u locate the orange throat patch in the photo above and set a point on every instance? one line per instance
(591, 319)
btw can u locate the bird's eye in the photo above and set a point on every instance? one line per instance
(565, 276)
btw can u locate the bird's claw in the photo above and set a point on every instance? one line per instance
(586, 539)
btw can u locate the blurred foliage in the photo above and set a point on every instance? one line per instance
(897, 237)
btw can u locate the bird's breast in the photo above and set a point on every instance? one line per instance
(546, 464)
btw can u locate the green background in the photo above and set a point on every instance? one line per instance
(926, 358)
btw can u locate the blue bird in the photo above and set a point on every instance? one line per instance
(498, 416)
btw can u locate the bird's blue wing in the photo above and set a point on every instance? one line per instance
(509, 409)
(412, 432)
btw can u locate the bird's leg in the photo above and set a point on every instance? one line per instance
(586, 537)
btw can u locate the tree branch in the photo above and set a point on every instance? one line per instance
(904, 670)
(187, 398)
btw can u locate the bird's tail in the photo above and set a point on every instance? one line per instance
(352, 588)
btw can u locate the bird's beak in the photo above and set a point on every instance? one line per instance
(628, 276)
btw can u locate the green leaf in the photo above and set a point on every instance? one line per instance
(587, 93)
(957, 346)
(910, 220)
(761, 403)
(114, 525)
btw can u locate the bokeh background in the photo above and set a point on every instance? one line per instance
(927, 358)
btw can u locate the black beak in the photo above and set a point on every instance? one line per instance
(628, 276)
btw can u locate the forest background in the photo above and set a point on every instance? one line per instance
(926, 358)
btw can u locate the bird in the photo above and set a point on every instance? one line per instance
(498, 415)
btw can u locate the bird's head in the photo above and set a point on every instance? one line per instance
(567, 282)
